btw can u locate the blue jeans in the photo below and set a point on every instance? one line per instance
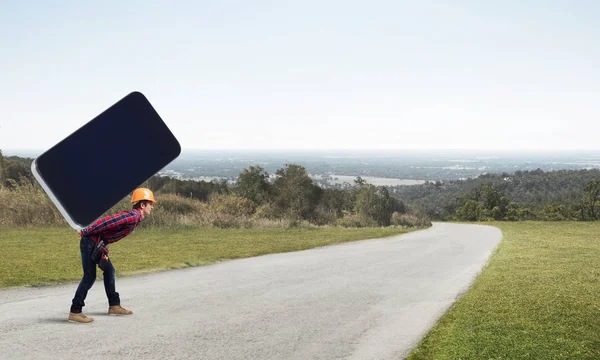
(89, 277)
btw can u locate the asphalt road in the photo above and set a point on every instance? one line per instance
(370, 299)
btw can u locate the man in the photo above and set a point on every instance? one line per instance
(110, 229)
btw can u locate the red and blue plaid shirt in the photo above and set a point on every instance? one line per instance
(113, 228)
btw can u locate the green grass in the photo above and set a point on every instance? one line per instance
(538, 298)
(48, 256)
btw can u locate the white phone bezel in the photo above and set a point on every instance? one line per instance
(52, 197)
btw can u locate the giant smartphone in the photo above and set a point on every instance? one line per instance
(105, 160)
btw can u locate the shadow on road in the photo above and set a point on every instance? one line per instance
(56, 320)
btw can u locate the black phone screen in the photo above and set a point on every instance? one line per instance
(106, 159)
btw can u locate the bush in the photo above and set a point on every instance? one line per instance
(177, 205)
(557, 212)
(263, 223)
(27, 205)
(227, 221)
(374, 202)
(410, 220)
(267, 211)
(322, 216)
(233, 205)
(471, 211)
(355, 221)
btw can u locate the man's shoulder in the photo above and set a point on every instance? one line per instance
(133, 213)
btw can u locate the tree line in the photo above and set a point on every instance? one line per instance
(522, 195)
(290, 193)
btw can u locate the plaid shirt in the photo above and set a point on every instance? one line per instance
(114, 227)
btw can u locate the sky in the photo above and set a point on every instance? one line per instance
(309, 74)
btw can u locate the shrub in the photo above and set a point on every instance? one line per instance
(374, 202)
(410, 220)
(177, 204)
(267, 211)
(27, 205)
(354, 220)
(233, 205)
(557, 212)
(322, 216)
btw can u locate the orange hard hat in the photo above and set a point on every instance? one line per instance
(142, 194)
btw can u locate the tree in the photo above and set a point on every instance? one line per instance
(360, 181)
(398, 206)
(592, 198)
(469, 212)
(253, 184)
(297, 197)
(16, 168)
(512, 212)
(474, 194)
(500, 210)
(374, 202)
(557, 212)
(579, 209)
(335, 201)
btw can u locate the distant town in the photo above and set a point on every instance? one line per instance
(376, 167)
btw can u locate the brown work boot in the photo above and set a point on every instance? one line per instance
(80, 318)
(118, 310)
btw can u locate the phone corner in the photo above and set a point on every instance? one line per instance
(71, 221)
(177, 149)
(138, 94)
(77, 227)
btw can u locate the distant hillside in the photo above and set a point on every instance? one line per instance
(292, 193)
(536, 192)
(253, 201)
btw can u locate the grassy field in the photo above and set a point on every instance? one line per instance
(538, 298)
(47, 256)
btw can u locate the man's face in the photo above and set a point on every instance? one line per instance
(147, 208)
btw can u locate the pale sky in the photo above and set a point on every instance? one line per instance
(309, 74)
